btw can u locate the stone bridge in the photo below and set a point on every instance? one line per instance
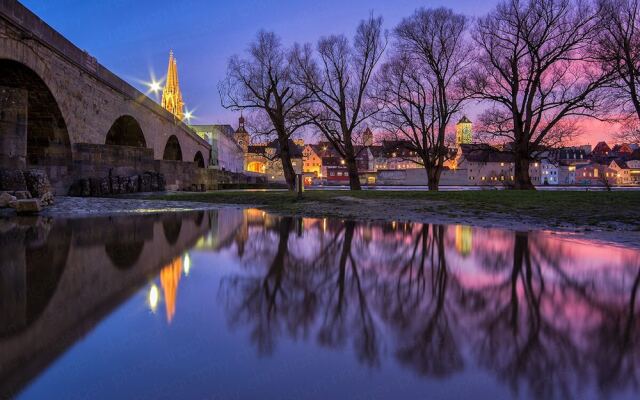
(60, 110)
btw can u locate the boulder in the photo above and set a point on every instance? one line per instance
(105, 187)
(85, 188)
(28, 206)
(145, 182)
(154, 182)
(161, 182)
(37, 182)
(12, 179)
(115, 186)
(95, 186)
(46, 199)
(133, 184)
(22, 194)
(6, 199)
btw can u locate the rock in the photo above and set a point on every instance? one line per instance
(47, 199)
(105, 187)
(85, 188)
(154, 182)
(6, 199)
(37, 182)
(132, 184)
(95, 187)
(145, 182)
(115, 186)
(22, 194)
(28, 206)
(12, 179)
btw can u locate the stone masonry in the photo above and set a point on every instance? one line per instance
(58, 104)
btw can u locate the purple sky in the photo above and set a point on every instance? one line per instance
(133, 38)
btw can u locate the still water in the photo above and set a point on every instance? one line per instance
(239, 304)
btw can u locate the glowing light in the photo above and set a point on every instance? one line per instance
(153, 298)
(186, 264)
(188, 115)
(155, 87)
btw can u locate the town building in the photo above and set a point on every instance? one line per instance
(601, 150)
(595, 174)
(226, 153)
(241, 135)
(549, 172)
(394, 155)
(265, 159)
(634, 171)
(311, 164)
(171, 94)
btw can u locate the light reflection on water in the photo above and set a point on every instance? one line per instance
(243, 304)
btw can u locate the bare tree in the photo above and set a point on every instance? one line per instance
(619, 51)
(536, 68)
(631, 131)
(418, 88)
(339, 79)
(262, 83)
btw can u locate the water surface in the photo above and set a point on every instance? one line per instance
(241, 304)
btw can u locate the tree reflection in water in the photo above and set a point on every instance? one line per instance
(540, 313)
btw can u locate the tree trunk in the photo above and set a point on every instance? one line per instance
(354, 177)
(433, 177)
(287, 167)
(521, 178)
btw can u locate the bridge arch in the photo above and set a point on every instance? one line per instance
(33, 132)
(126, 131)
(172, 150)
(199, 159)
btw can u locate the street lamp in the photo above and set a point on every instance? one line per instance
(188, 115)
(155, 87)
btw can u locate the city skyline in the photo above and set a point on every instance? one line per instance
(203, 36)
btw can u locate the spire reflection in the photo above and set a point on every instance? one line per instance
(169, 280)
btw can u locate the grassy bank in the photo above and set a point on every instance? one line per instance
(608, 210)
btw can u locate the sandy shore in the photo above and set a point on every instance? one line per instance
(346, 208)
(401, 211)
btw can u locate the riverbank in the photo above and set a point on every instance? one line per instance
(76, 207)
(608, 216)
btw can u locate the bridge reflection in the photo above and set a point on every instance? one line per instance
(59, 278)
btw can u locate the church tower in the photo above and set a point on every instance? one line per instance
(171, 95)
(464, 131)
(367, 138)
(241, 135)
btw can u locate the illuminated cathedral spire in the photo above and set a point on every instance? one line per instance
(171, 96)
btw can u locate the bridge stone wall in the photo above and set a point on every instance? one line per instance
(89, 97)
